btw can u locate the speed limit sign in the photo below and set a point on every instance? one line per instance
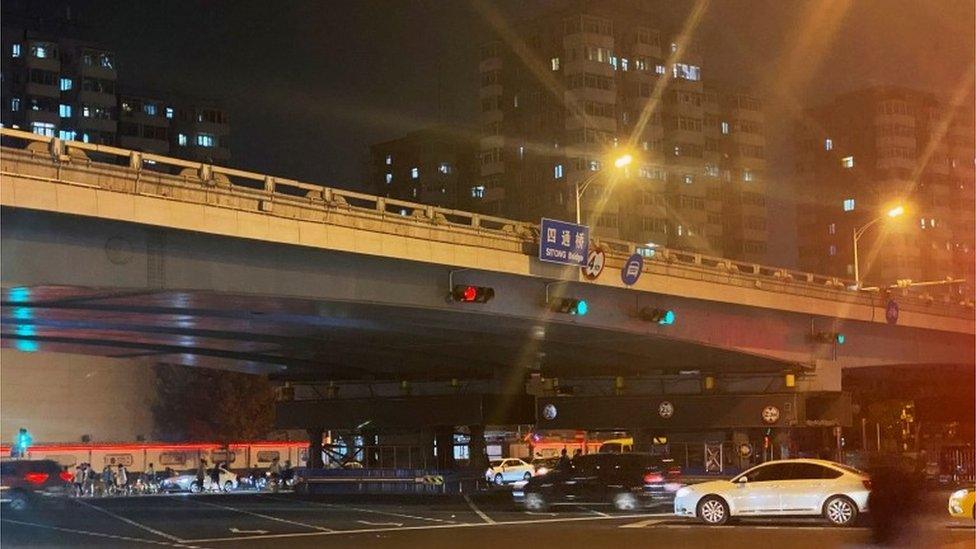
(594, 263)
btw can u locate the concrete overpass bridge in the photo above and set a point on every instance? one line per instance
(121, 253)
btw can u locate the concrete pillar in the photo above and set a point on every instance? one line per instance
(644, 440)
(370, 452)
(740, 438)
(478, 448)
(444, 436)
(315, 448)
(426, 460)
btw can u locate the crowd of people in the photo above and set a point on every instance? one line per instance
(116, 480)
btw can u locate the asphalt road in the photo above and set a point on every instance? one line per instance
(287, 520)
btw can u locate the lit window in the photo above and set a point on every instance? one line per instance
(206, 140)
(43, 128)
(126, 106)
(674, 47)
(711, 170)
(623, 63)
(64, 111)
(105, 60)
(847, 161)
(413, 192)
(521, 152)
(181, 139)
(832, 228)
(15, 103)
(67, 135)
(40, 51)
(445, 168)
(414, 173)
(66, 84)
(686, 72)
(747, 175)
(659, 69)
(828, 144)
(149, 108)
(554, 63)
(849, 205)
(689, 179)
(557, 171)
(932, 221)
(595, 165)
(389, 159)
(832, 250)
(15, 50)
(389, 178)
(515, 101)
(169, 112)
(85, 138)
(86, 111)
(478, 192)
(725, 128)
(921, 222)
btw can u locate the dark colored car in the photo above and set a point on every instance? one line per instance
(23, 480)
(627, 481)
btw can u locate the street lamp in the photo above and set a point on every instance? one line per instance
(621, 161)
(858, 232)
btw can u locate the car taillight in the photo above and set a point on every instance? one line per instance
(653, 478)
(867, 483)
(66, 476)
(36, 478)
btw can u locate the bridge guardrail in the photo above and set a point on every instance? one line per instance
(242, 189)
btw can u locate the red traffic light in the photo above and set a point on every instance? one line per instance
(472, 294)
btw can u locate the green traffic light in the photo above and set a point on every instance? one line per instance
(582, 308)
(840, 339)
(667, 319)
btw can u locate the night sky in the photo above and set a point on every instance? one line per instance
(309, 85)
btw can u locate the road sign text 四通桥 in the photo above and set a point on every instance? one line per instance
(563, 242)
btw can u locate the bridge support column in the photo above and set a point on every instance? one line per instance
(370, 454)
(478, 448)
(315, 448)
(444, 438)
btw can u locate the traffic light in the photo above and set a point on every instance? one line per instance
(569, 305)
(664, 317)
(830, 337)
(472, 294)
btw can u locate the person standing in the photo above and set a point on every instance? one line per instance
(121, 479)
(201, 473)
(79, 479)
(215, 477)
(108, 479)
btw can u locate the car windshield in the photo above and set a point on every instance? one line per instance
(495, 463)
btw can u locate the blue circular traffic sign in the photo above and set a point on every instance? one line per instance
(891, 312)
(632, 269)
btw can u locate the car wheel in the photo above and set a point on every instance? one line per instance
(499, 480)
(195, 488)
(527, 476)
(535, 502)
(713, 510)
(228, 486)
(840, 511)
(18, 502)
(625, 501)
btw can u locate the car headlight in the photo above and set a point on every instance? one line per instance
(682, 492)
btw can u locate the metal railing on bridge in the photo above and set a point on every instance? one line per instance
(178, 179)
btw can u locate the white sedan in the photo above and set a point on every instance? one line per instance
(187, 482)
(501, 471)
(793, 487)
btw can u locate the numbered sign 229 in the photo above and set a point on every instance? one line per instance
(594, 263)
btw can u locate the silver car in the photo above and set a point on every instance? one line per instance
(187, 482)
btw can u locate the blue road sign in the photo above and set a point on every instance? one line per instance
(562, 242)
(891, 311)
(632, 269)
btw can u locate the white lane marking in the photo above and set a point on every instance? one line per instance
(368, 523)
(98, 534)
(361, 510)
(425, 527)
(477, 511)
(127, 521)
(643, 523)
(237, 531)
(262, 515)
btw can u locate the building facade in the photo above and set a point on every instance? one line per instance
(580, 86)
(434, 165)
(869, 151)
(70, 89)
